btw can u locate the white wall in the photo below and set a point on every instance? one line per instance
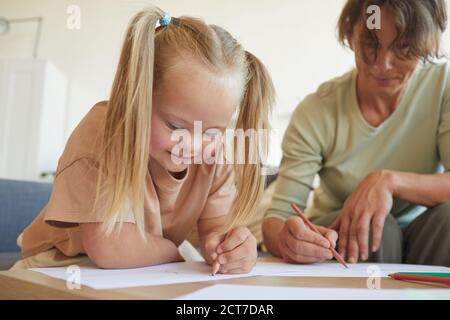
(295, 38)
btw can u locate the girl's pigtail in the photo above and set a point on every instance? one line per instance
(123, 164)
(254, 112)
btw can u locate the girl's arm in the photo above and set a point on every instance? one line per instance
(271, 229)
(126, 249)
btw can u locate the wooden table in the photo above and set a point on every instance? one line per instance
(25, 284)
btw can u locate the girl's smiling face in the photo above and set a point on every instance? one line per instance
(189, 92)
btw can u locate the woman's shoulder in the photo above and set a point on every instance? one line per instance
(438, 72)
(86, 139)
(328, 95)
(430, 78)
(335, 86)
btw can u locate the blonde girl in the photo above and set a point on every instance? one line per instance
(119, 198)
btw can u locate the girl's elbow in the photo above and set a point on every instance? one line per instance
(99, 251)
(101, 256)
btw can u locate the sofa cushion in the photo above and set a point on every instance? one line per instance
(20, 203)
(7, 259)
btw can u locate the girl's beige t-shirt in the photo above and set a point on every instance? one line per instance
(172, 206)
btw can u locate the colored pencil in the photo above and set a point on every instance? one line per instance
(424, 277)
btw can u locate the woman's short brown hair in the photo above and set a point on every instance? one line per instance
(420, 25)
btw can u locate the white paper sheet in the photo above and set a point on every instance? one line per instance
(184, 272)
(122, 278)
(244, 292)
(181, 272)
(364, 270)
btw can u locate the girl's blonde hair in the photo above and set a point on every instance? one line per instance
(147, 52)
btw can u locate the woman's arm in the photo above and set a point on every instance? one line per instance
(126, 249)
(368, 206)
(305, 141)
(426, 189)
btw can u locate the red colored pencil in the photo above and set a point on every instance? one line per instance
(314, 228)
(415, 277)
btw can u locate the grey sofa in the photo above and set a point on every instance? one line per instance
(20, 203)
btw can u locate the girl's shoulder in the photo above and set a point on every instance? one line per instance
(85, 141)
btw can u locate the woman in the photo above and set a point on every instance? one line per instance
(377, 137)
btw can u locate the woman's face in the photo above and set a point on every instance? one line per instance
(188, 93)
(388, 73)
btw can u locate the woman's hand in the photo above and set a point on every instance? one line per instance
(299, 244)
(236, 252)
(367, 207)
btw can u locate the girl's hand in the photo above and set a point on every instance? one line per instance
(209, 246)
(368, 206)
(236, 252)
(299, 244)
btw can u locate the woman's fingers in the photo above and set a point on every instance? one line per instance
(343, 235)
(299, 244)
(298, 251)
(330, 234)
(377, 230)
(352, 244)
(363, 229)
(294, 257)
(336, 224)
(307, 249)
(299, 230)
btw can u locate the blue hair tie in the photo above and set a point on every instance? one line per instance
(165, 21)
